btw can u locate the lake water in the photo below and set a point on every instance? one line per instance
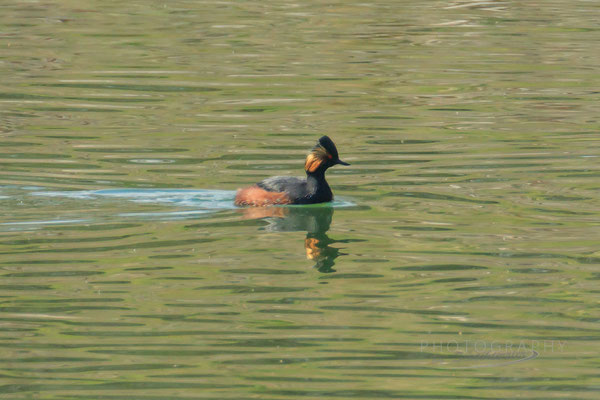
(460, 259)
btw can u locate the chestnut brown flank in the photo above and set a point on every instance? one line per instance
(255, 196)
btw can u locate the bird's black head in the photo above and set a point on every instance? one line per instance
(323, 156)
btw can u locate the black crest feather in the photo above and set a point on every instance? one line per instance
(328, 145)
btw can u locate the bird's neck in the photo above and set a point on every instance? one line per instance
(318, 185)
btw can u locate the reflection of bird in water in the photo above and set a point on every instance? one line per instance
(314, 220)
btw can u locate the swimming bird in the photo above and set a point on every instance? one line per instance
(291, 190)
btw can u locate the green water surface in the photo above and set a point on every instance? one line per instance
(459, 261)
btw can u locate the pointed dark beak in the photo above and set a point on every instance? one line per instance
(342, 162)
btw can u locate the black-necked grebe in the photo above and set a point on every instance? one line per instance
(292, 190)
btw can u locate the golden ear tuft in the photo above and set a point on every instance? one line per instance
(316, 157)
(313, 162)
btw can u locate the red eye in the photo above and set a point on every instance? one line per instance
(329, 156)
